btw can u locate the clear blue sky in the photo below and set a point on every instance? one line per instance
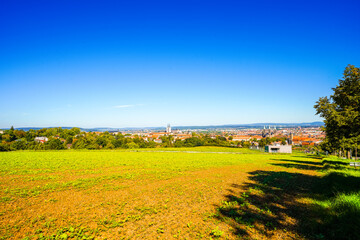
(149, 63)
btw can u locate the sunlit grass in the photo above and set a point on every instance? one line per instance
(173, 193)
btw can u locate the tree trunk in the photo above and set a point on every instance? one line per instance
(356, 153)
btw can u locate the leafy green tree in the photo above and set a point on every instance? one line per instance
(4, 147)
(117, 143)
(193, 142)
(132, 145)
(19, 134)
(341, 112)
(109, 146)
(30, 135)
(75, 131)
(80, 144)
(18, 145)
(151, 144)
(54, 144)
(101, 141)
(245, 144)
(167, 141)
(69, 140)
(178, 143)
(6, 137)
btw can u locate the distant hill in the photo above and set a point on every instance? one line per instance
(253, 125)
(210, 127)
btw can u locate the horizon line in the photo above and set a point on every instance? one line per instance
(174, 126)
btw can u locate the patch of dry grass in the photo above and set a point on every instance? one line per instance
(141, 195)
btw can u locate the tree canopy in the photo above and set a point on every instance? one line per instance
(341, 113)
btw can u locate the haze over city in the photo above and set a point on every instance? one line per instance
(144, 64)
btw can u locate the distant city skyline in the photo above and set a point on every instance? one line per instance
(146, 64)
(169, 127)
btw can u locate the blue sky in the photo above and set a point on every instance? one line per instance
(149, 63)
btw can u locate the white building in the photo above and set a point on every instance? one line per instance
(158, 140)
(278, 148)
(41, 139)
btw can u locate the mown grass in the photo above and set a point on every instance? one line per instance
(340, 199)
(176, 195)
(209, 149)
(321, 206)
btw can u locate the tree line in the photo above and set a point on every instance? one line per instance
(58, 139)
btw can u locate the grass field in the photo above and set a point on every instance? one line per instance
(194, 194)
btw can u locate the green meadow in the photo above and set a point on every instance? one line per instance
(179, 193)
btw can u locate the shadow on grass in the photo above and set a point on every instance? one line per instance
(311, 156)
(272, 203)
(311, 165)
(298, 166)
(299, 161)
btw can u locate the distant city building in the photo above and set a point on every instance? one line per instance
(278, 148)
(241, 138)
(41, 139)
(158, 140)
(268, 132)
(290, 139)
(168, 129)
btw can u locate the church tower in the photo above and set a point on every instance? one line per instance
(168, 128)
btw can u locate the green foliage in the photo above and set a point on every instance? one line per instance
(132, 145)
(216, 232)
(19, 144)
(4, 147)
(54, 144)
(73, 138)
(341, 113)
(69, 140)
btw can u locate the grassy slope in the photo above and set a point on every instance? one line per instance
(202, 149)
(169, 195)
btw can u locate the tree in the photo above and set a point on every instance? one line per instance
(18, 144)
(79, 143)
(4, 147)
(69, 140)
(179, 143)
(54, 144)
(167, 141)
(341, 113)
(132, 145)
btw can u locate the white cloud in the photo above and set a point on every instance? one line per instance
(124, 106)
(128, 105)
